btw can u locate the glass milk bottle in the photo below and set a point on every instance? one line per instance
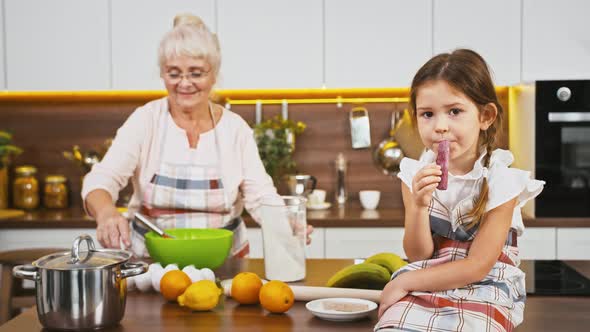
(284, 225)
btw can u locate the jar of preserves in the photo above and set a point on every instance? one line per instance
(25, 189)
(55, 195)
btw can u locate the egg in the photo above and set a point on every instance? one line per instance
(144, 281)
(157, 271)
(208, 274)
(171, 267)
(188, 268)
(193, 273)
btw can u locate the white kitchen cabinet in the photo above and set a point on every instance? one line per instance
(573, 243)
(363, 242)
(538, 243)
(57, 45)
(314, 250)
(491, 28)
(376, 43)
(255, 239)
(317, 247)
(555, 40)
(137, 28)
(2, 72)
(12, 239)
(270, 44)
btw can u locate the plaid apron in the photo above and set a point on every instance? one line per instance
(189, 195)
(495, 303)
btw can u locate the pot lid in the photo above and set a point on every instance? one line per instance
(80, 260)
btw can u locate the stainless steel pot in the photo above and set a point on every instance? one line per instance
(81, 290)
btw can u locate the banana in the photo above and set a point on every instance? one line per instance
(364, 275)
(390, 261)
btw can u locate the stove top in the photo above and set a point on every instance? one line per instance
(554, 278)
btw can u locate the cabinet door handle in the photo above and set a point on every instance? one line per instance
(569, 117)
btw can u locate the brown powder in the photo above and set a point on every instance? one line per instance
(344, 306)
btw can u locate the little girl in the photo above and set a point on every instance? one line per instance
(461, 242)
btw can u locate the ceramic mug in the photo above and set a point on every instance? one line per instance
(369, 199)
(316, 197)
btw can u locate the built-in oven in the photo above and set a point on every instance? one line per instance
(562, 147)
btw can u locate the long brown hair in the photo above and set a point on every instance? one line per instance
(467, 72)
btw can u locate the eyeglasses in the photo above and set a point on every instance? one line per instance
(193, 76)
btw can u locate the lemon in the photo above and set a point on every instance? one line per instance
(202, 295)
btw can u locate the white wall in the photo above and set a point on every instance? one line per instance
(2, 48)
(270, 43)
(57, 45)
(137, 28)
(555, 39)
(376, 43)
(491, 28)
(112, 44)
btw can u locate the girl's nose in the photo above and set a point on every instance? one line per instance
(441, 126)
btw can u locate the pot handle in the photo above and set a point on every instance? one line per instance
(76, 247)
(28, 272)
(132, 269)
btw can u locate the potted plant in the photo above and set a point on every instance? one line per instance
(7, 151)
(275, 138)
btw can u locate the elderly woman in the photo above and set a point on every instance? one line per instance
(192, 163)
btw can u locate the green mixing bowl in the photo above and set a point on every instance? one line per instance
(207, 247)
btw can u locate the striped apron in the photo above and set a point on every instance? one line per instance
(189, 195)
(495, 303)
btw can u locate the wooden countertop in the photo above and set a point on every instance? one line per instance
(149, 311)
(351, 216)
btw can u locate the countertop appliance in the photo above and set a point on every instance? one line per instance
(554, 277)
(562, 147)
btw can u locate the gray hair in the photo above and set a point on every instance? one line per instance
(190, 37)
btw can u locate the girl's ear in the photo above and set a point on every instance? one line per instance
(487, 116)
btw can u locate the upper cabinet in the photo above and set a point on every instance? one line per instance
(555, 40)
(57, 45)
(491, 28)
(270, 44)
(137, 28)
(376, 43)
(2, 72)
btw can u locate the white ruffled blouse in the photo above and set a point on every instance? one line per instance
(504, 184)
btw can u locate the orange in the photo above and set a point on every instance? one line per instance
(245, 288)
(173, 284)
(276, 296)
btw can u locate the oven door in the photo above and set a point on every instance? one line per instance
(563, 161)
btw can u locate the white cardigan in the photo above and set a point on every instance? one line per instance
(135, 153)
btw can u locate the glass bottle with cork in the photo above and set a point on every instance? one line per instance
(341, 195)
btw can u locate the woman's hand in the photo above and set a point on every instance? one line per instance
(112, 228)
(392, 293)
(308, 232)
(424, 184)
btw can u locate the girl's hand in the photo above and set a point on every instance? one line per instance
(424, 184)
(392, 293)
(112, 228)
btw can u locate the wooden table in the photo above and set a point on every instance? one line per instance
(150, 312)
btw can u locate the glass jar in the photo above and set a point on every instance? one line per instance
(55, 195)
(25, 189)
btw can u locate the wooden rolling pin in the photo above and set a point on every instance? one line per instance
(308, 293)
